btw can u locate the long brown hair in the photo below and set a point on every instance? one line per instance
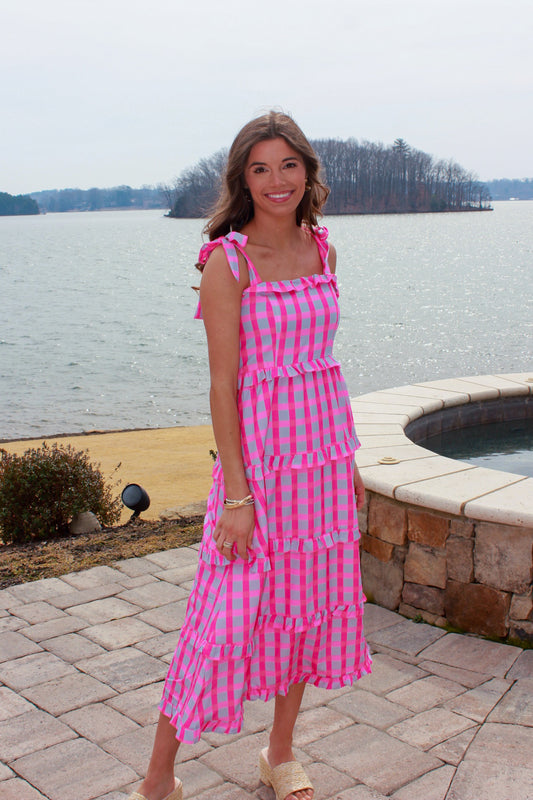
(233, 208)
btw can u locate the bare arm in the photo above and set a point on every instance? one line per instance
(332, 258)
(220, 296)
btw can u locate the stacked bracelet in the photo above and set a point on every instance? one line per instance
(246, 501)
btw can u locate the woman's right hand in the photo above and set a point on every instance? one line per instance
(235, 525)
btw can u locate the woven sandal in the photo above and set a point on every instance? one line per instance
(285, 779)
(177, 794)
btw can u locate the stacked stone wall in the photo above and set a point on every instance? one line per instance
(475, 576)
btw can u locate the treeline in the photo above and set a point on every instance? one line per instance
(364, 178)
(15, 205)
(511, 189)
(370, 178)
(195, 191)
(57, 200)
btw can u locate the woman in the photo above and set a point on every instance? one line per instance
(277, 600)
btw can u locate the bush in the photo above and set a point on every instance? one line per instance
(41, 490)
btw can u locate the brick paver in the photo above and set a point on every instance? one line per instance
(83, 657)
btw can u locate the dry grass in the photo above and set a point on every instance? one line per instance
(56, 557)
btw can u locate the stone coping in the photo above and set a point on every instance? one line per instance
(391, 464)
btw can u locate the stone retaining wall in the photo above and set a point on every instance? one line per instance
(471, 575)
(441, 540)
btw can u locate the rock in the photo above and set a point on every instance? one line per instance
(185, 512)
(477, 609)
(459, 527)
(387, 520)
(85, 522)
(425, 565)
(426, 528)
(460, 557)
(503, 557)
(424, 597)
(382, 583)
(522, 630)
(362, 515)
(522, 606)
(381, 550)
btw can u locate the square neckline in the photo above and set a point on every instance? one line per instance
(257, 280)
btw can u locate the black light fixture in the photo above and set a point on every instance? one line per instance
(136, 498)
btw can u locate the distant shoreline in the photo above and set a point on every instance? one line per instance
(82, 434)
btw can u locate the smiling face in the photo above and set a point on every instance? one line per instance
(275, 174)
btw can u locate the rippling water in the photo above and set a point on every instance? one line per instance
(96, 329)
(498, 445)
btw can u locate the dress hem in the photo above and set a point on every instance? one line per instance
(191, 736)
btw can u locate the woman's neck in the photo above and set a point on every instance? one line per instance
(267, 232)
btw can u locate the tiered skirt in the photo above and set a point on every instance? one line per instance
(292, 613)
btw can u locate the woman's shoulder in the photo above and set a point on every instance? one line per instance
(228, 243)
(224, 249)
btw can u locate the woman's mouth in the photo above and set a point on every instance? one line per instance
(278, 197)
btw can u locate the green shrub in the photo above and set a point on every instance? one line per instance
(41, 490)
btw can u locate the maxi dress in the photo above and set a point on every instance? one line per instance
(294, 612)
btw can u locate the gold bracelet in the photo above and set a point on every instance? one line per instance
(246, 501)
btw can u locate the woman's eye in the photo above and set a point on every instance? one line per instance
(291, 164)
(257, 170)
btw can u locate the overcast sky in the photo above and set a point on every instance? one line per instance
(109, 92)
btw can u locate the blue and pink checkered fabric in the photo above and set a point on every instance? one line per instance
(294, 611)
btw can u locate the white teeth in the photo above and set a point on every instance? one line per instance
(279, 196)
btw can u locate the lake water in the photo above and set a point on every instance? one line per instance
(97, 329)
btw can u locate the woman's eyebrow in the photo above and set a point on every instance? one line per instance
(264, 164)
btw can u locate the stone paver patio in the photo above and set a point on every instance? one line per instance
(82, 659)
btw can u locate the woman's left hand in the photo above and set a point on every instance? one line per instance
(359, 488)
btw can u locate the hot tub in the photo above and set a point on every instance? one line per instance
(442, 540)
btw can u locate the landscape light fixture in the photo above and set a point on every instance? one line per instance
(136, 498)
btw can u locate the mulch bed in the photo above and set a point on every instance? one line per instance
(58, 556)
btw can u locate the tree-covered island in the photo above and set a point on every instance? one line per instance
(364, 178)
(16, 205)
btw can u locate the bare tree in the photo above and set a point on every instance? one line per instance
(364, 178)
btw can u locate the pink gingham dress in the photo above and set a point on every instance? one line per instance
(294, 611)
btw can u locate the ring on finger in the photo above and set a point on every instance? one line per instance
(227, 544)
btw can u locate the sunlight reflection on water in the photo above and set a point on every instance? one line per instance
(98, 330)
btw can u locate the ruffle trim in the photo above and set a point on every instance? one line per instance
(192, 735)
(256, 564)
(235, 242)
(300, 624)
(295, 285)
(261, 563)
(321, 681)
(253, 377)
(325, 541)
(307, 460)
(235, 652)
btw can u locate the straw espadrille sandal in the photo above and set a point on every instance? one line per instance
(177, 794)
(285, 779)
